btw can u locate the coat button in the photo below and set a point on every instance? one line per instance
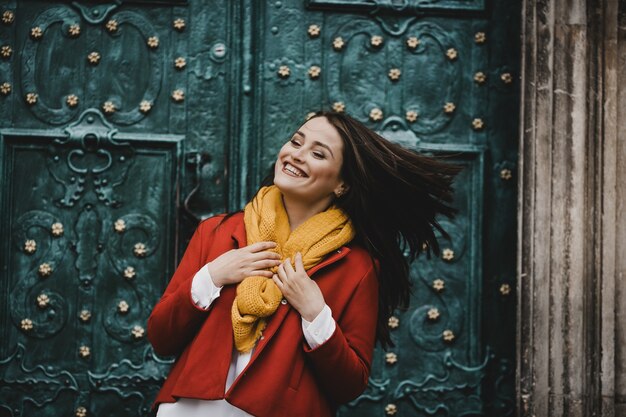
(283, 301)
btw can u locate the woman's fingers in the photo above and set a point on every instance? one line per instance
(278, 282)
(298, 261)
(261, 246)
(265, 263)
(263, 273)
(287, 266)
(264, 255)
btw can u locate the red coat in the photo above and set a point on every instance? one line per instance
(284, 377)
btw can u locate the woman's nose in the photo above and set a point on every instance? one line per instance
(297, 154)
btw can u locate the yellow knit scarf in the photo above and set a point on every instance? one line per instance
(265, 219)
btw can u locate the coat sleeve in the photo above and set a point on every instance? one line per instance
(175, 319)
(342, 364)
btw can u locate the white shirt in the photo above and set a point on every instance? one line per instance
(203, 293)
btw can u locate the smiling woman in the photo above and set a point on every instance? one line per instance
(275, 309)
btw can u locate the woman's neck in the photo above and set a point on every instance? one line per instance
(299, 211)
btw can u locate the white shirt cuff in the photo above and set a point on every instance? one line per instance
(203, 290)
(320, 329)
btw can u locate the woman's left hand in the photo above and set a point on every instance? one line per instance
(300, 290)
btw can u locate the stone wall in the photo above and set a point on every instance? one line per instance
(572, 224)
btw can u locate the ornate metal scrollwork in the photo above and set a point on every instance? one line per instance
(90, 135)
(40, 385)
(48, 315)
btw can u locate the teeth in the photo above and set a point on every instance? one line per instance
(294, 170)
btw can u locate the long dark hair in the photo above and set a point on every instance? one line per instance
(393, 198)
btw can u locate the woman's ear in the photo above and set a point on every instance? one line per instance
(341, 189)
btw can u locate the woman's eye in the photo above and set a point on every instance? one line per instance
(318, 155)
(294, 143)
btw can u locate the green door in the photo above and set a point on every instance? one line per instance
(124, 123)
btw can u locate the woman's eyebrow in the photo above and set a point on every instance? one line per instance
(316, 142)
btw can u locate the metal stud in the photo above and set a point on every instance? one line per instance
(36, 33)
(26, 325)
(153, 42)
(480, 77)
(108, 107)
(376, 41)
(6, 51)
(71, 100)
(81, 412)
(447, 254)
(112, 26)
(339, 106)
(93, 58)
(314, 31)
(394, 74)
(448, 335)
(179, 24)
(43, 300)
(449, 108)
(391, 358)
(84, 352)
(506, 78)
(137, 332)
(178, 95)
(139, 250)
(74, 30)
(120, 226)
(180, 63)
(391, 409)
(57, 229)
(506, 174)
(478, 123)
(338, 43)
(129, 273)
(439, 285)
(393, 322)
(31, 98)
(284, 71)
(5, 89)
(145, 106)
(30, 246)
(480, 37)
(505, 289)
(452, 54)
(8, 17)
(314, 72)
(45, 270)
(412, 42)
(123, 307)
(411, 116)
(85, 316)
(376, 114)
(433, 314)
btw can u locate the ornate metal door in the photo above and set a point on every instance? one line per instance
(123, 123)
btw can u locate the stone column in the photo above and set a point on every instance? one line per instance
(572, 225)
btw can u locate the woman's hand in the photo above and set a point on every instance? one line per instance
(233, 266)
(300, 290)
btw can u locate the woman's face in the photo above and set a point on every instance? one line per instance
(308, 166)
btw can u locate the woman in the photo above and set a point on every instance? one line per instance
(275, 310)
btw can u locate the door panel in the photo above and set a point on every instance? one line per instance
(125, 123)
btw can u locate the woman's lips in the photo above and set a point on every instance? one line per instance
(300, 173)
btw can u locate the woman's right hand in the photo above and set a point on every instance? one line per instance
(233, 266)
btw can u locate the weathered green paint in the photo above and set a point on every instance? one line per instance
(162, 170)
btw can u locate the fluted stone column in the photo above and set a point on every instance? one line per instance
(572, 205)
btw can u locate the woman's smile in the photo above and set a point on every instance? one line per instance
(293, 171)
